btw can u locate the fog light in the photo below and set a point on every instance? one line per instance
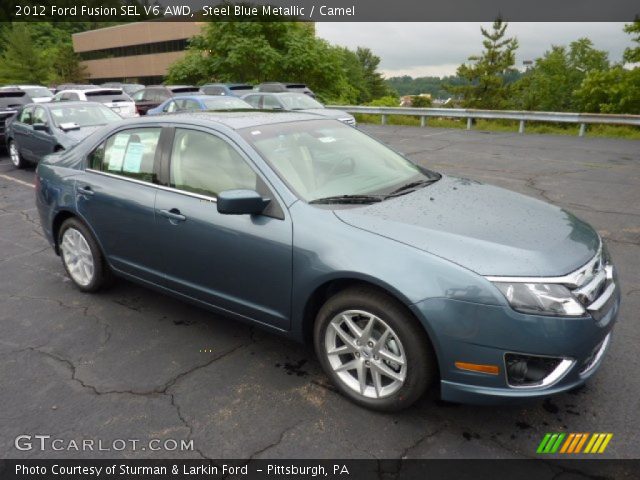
(534, 371)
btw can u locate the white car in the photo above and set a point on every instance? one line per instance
(114, 98)
(36, 93)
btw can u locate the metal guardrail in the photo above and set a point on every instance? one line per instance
(583, 119)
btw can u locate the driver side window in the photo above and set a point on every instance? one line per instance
(205, 164)
(26, 116)
(40, 116)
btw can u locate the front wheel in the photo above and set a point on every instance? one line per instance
(14, 155)
(81, 257)
(374, 350)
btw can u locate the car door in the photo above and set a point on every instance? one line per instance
(22, 132)
(239, 263)
(43, 141)
(116, 196)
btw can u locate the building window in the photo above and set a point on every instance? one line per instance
(133, 50)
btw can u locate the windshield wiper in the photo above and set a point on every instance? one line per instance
(407, 187)
(348, 199)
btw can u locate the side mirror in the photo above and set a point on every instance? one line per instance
(41, 127)
(241, 202)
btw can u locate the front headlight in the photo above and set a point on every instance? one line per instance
(541, 298)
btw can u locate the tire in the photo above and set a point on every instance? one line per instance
(14, 155)
(78, 249)
(397, 386)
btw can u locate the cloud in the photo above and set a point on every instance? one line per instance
(438, 48)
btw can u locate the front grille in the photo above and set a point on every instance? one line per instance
(594, 282)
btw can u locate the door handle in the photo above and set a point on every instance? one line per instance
(86, 190)
(173, 214)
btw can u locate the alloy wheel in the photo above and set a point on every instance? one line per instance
(77, 257)
(365, 353)
(14, 154)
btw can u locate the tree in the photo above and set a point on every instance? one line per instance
(66, 66)
(485, 73)
(612, 91)
(550, 84)
(632, 54)
(255, 52)
(22, 61)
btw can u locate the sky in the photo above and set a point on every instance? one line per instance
(437, 49)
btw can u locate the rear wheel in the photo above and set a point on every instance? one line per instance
(14, 155)
(374, 351)
(81, 257)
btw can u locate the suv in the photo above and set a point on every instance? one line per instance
(114, 98)
(35, 93)
(154, 95)
(234, 89)
(11, 99)
(279, 87)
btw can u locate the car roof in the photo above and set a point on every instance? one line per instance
(235, 120)
(64, 104)
(89, 90)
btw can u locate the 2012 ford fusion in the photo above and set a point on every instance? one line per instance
(402, 278)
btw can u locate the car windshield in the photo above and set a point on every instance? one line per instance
(325, 158)
(225, 103)
(38, 92)
(299, 101)
(83, 116)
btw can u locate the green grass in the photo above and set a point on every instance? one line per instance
(609, 131)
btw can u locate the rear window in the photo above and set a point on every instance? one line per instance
(38, 92)
(241, 87)
(107, 96)
(9, 100)
(296, 85)
(184, 89)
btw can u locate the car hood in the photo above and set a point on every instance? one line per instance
(486, 229)
(327, 112)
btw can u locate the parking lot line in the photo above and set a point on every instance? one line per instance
(15, 180)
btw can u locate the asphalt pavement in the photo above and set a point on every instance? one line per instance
(132, 364)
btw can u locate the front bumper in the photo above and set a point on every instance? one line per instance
(483, 334)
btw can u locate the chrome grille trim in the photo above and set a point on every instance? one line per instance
(596, 358)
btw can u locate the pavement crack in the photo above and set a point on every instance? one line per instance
(277, 442)
(421, 439)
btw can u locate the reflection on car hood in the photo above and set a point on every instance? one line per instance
(486, 229)
(327, 112)
(74, 136)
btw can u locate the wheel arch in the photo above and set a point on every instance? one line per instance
(331, 287)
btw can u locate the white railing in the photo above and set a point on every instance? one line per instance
(582, 119)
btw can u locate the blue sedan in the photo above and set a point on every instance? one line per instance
(194, 103)
(402, 278)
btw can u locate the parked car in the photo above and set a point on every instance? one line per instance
(296, 102)
(153, 96)
(128, 88)
(114, 98)
(75, 86)
(37, 130)
(11, 99)
(35, 93)
(230, 89)
(400, 276)
(279, 87)
(192, 103)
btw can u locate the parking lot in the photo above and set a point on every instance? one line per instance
(130, 363)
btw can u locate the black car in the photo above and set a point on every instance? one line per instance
(279, 87)
(154, 95)
(36, 130)
(11, 99)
